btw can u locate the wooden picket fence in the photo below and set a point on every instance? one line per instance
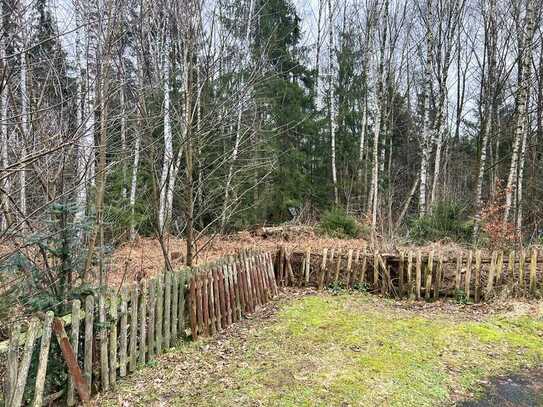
(415, 274)
(221, 294)
(112, 333)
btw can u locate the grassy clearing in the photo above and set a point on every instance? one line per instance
(342, 350)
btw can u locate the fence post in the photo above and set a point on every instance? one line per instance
(76, 306)
(167, 309)
(89, 339)
(133, 328)
(123, 337)
(43, 359)
(22, 372)
(13, 362)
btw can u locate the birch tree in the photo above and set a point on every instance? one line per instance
(526, 32)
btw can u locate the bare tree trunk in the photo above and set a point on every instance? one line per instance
(378, 123)
(332, 108)
(426, 136)
(521, 116)
(4, 161)
(25, 98)
(489, 114)
(124, 151)
(85, 153)
(168, 142)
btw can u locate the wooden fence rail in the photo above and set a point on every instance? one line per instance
(111, 333)
(415, 274)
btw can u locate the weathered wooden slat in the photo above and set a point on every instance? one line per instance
(458, 273)
(511, 271)
(322, 270)
(12, 362)
(256, 274)
(418, 275)
(439, 273)
(467, 280)
(533, 271)
(43, 359)
(521, 266)
(272, 277)
(104, 359)
(266, 277)
(175, 304)
(143, 322)
(429, 276)
(151, 318)
(338, 266)
(307, 266)
(183, 279)
(281, 271)
(410, 279)
(232, 294)
(356, 267)
(200, 302)
(477, 283)
(193, 308)
(123, 334)
(70, 358)
(237, 286)
(24, 365)
(222, 297)
(228, 300)
(113, 341)
(212, 315)
(133, 328)
(76, 311)
(205, 302)
(376, 270)
(159, 316)
(401, 274)
(216, 299)
(491, 275)
(364, 269)
(499, 268)
(89, 339)
(167, 309)
(242, 287)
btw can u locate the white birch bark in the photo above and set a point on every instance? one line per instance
(332, 107)
(489, 114)
(168, 142)
(378, 123)
(124, 151)
(522, 119)
(4, 162)
(134, 181)
(426, 131)
(25, 131)
(85, 156)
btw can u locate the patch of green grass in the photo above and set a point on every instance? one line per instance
(352, 349)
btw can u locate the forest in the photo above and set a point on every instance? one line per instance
(126, 118)
(139, 136)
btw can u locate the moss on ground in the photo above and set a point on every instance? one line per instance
(339, 351)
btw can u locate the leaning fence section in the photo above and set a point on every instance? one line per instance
(107, 335)
(473, 275)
